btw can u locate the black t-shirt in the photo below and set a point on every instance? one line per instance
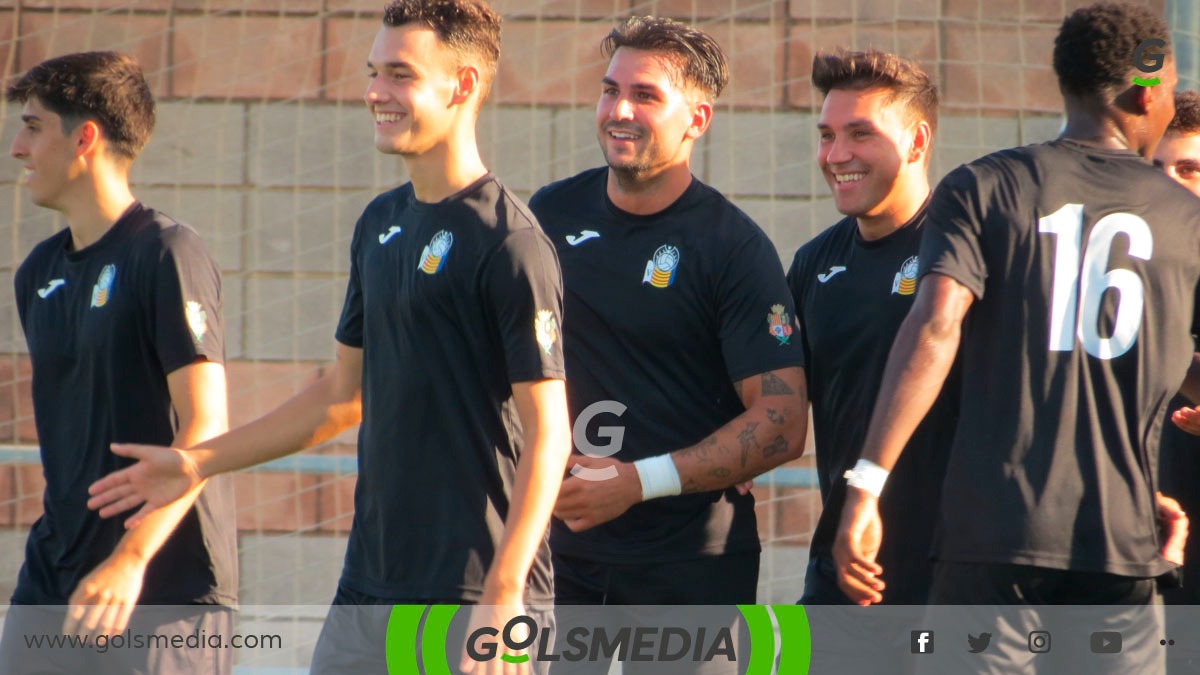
(105, 326)
(1083, 262)
(664, 313)
(451, 303)
(851, 296)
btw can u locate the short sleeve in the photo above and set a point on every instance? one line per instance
(350, 326)
(522, 285)
(186, 307)
(795, 276)
(755, 311)
(953, 240)
(21, 293)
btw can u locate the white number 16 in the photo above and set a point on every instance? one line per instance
(1089, 282)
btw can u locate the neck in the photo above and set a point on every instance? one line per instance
(643, 196)
(446, 168)
(1100, 125)
(101, 203)
(906, 201)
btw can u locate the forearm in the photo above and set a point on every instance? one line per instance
(1191, 384)
(539, 476)
(753, 443)
(314, 415)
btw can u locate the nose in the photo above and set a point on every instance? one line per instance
(373, 92)
(18, 149)
(622, 109)
(838, 151)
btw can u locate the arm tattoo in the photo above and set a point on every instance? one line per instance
(746, 438)
(720, 472)
(777, 447)
(773, 386)
(702, 450)
(775, 416)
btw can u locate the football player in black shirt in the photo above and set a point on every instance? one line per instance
(1078, 261)
(853, 284)
(448, 349)
(683, 376)
(122, 314)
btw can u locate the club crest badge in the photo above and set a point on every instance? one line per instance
(433, 258)
(545, 326)
(905, 282)
(780, 324)
(103, 287)
(660, 270)
(197, 319)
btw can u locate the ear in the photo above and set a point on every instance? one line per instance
(702, 114)
(466, 84)
(922, 142)
(87, 138)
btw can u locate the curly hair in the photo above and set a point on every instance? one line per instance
(1094, 49)
(695, 55)
(468, 27)
(1187, 114)
(907, 82)
(104, 87)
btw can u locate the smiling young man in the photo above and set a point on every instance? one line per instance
(679, 350)
(853, 284)
(447, 348)
(122, 314)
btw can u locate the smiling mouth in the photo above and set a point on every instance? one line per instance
(388, 117)
(842, 178)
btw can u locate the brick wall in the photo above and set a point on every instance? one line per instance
(264, 146)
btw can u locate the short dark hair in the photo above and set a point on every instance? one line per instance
(105, 87)
(468, 27)
(1094, 49)
(1187, 114)
(908, 83)
(695, 55)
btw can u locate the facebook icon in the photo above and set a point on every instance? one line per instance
(922, 642)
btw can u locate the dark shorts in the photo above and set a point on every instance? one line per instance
(353, 639)
(125, 654)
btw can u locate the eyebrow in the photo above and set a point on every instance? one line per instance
(636, 86)
(853, 124)
(392, 65)
(30, 118)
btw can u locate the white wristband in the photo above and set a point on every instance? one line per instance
(659, 477)
(867, 475)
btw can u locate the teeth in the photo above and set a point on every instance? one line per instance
(387, 117)
(846, 177)
(622, 136)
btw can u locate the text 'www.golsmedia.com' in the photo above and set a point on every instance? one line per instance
(199, 640)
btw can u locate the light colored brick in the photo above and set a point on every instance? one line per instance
(916, 40)
(790, 222)
(275, 502)
(1039, 91)
(335, 507)
(44, 35)
(194, 144)
(1040, 129)
(515, 145)
(288, 570)
(216, 213)
(347, 45)
(982, 10)
(233, 290)
(246, 57)
(976, 131)
(550, 62)
(28, 487)
(808, 10)
(370, 8)
(699, 11)
(756, 62)
(752, 153)
(1053, 11)
(560, 9)
(258, 387)
(292, 318)
(575, 144)
(294, 144)
(991, 87)
(982, 43)
(256, 6)
(94, 5)
(295, 231)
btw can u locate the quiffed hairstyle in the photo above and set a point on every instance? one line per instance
(468, 27)
(1187, 114)
(1093, 53)
(908, 83)
(105, 87)
(695, 57)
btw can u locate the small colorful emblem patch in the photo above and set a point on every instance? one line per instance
(197, 319)
(433, 258)
(780, 324)
(546, 328)
(660, 270)
(905, 282)
(103, 287)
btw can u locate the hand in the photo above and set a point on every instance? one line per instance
(1172, 527)
(744, 488)
(1187, 419)
(104, 600)
(857, 544)
(496, 610)
(160, 476)
(586, 500)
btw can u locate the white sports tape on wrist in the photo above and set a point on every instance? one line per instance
(659, 477)
(867, 475)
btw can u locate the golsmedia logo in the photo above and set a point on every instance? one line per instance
(639, 644)
(420, 632)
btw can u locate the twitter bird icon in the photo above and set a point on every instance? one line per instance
(978, 644)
